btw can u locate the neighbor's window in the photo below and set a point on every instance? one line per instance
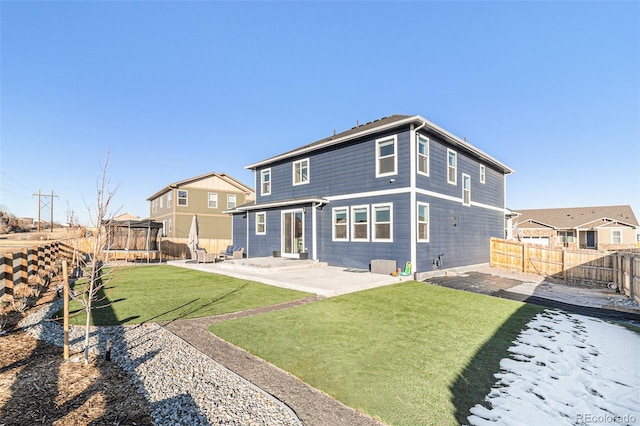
(386, 158)
(182, 197)
(616, 236)
(382, 222)
(169, 198)
(161, 202)
(565, 236)
(423, 155)
(466, 189)
(231, 201)
(423, 222)
(360, 223)
(452, 167)
(340, 224)
(265, 181)
(261, 228)
(212, 200)
(483, 173)
(301, 172)
(170, 225)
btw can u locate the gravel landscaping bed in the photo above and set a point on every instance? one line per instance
(183, 385)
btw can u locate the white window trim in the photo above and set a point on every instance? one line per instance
(333, 223)
(418, 155)
(423, 240)
(235, 201)
(262, 173)
(293, 172)
(455, 167)
(353, 222)
(483, 174)
(393, 138)
(169, 198)
(466, 178)
(373, 223)
(185, 198)
(161, 202)
(616, 230)
(170, 225)
(209, 194)
(264, 215)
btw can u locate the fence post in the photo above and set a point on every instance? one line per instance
(32, 261)
(631, 276)
(24, 265)
(6, 279)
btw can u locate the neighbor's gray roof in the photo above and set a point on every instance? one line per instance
(577, 217)
(382, 124)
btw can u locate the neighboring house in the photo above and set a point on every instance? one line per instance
(207, 196)
(126, 216)
(399, 188)
(598, 228)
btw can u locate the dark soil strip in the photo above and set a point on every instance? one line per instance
(313, 407)
(576, 309)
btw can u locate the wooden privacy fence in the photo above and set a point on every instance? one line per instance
(581, 266)
(18, 266)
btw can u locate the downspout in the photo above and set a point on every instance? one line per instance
(413, 197)
(314, 228)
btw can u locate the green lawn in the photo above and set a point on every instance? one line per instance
(408, 354)
(164, 293)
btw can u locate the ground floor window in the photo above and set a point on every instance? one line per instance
(360, 223)
(565, 237)
(341, 224)
(382, 220)
(261, 228)
(616, 236)
(423, 222)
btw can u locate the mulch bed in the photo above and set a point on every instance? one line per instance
(37, 386)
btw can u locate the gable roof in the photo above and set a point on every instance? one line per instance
(242, 187)
(579, 217)
(385, 123)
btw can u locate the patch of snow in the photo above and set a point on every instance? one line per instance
(566, 369)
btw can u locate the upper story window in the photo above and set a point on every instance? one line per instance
(466, 189)
(301, 172)
(265, 182)
(161, 198)
(231, 201)
(182, 197)
(340, 224)
(360, 223)
(423, 222)
(452, 167)
(261, 223)
(386, 156)
(382, 222)
(483, 173)
(423, 155)
(212, 200)
(169, 198)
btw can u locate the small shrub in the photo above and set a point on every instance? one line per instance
(22, 290)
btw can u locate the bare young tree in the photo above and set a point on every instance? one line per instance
(97, 277)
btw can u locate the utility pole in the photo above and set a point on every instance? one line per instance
(45, 204)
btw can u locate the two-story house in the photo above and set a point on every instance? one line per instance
(399, 188)
(206, 196)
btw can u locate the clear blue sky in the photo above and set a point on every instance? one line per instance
(178, 89)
